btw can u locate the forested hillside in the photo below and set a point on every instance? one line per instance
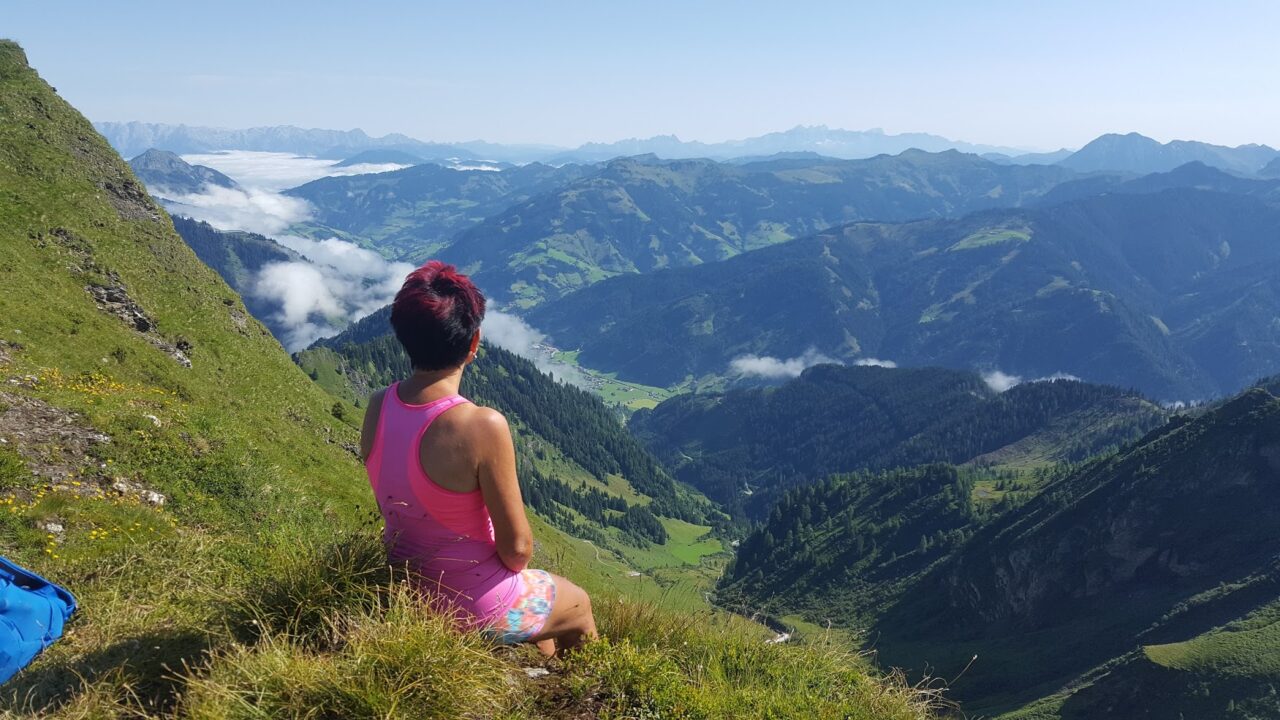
(745, 447)
(839, 549)
(1166, 546)
(1173, 293)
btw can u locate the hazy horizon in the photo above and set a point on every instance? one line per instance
(992, 73)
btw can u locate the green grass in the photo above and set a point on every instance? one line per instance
(1246, 648)
(985, 238)
(690, 543)
(629, 395)
(327, 626)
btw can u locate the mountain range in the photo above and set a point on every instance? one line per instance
(1172, 292)
(819, 139)
(1125, 153)
(131, 138)
(637, 215)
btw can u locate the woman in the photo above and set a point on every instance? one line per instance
(444, 474)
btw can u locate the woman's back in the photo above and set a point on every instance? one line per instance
(444, 534)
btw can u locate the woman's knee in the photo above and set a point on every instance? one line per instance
(572, 600)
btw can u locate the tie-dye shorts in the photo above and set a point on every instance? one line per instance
(529, 613)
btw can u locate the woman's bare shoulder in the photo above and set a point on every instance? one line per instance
(484, 421)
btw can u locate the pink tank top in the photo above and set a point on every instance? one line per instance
(443, 535)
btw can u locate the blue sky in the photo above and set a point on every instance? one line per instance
(1028, 74)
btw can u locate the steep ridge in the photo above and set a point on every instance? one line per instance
(1117, 546)
(165, 459)
(1135, 290)
(238, 257)
(114, 326)
(745, 448)
(641, 214)
(416, 210)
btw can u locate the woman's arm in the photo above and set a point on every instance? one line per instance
(496, 472)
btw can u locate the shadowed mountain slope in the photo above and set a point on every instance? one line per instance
(1173, 292)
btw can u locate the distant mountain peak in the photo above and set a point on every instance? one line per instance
(164, 171)
(1136, 153)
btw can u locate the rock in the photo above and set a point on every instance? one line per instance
(536, 672)
(154, 420)
(154, 497)
(113, 299)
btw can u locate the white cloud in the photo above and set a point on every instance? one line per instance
(1066, 377)
(337, 283)
(260, 211)
(257, 205)
(276, 171)
(875, 362)
(513, 334)
(772, 368)
(999, 381)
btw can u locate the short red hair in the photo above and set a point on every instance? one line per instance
(436, 313)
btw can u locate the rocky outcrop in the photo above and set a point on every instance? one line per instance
(114, 300)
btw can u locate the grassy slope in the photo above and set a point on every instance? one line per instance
(257, 589)
(1228, 672)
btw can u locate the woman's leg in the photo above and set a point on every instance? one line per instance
(570, 622)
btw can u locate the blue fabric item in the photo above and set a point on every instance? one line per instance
(32, 613)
